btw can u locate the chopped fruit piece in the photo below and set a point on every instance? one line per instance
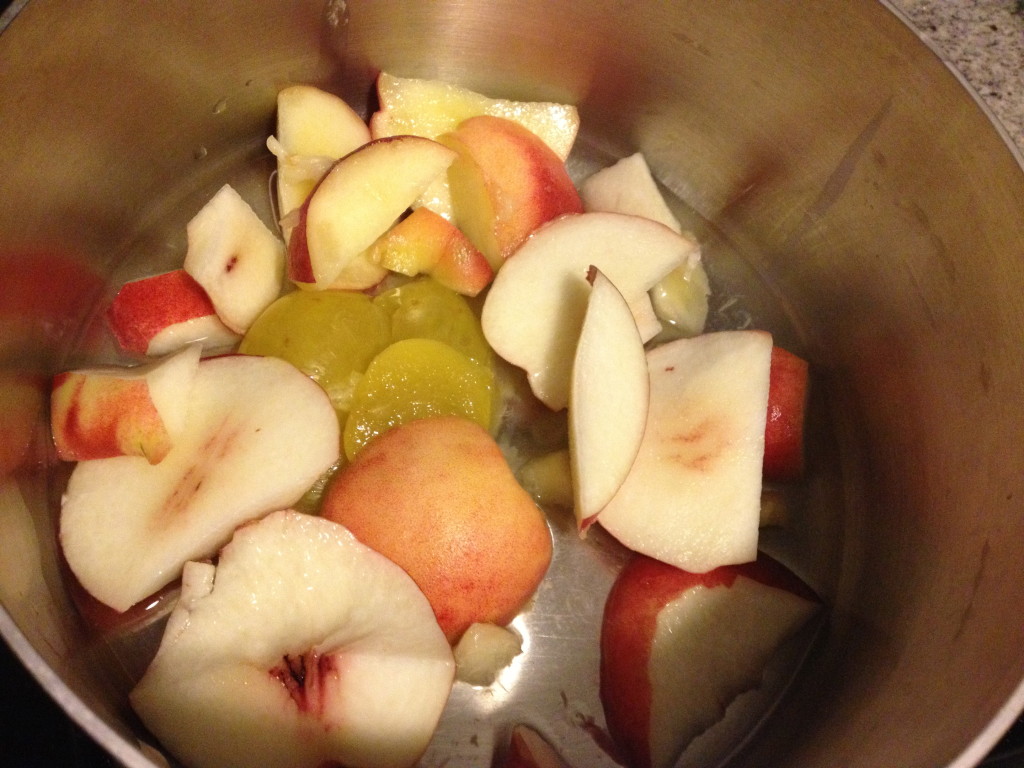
(505, 183)
(534, 309)
(314, 128)
(360, 274)
(425, 309)
(98, 413)
(607, 400)
(677, 648)
(488, 545)
(330, 336)
(424, 243)
(431, 108)
(116, 411)
(358, 200)
(355, 673)
(784, 431)
(548, 479)
(693, 495)
(163, 313)
(258, 434)
(413, 379)
(628, 187)
(680, 299)
(775, 509)
(235, 258)
(527, 749)
(483, 651)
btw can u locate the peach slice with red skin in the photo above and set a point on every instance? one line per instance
(98, 413)
(425, 243)
(357, 201)
(505, 183)
(257, 435)
(678, 647)
(784, 430)
(528, 749)
(436, 496)
(159, 314)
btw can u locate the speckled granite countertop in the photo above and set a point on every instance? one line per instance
(983, 39)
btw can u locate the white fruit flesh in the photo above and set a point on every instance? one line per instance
(710, 645)
(314, 128)
(235, 258)
(305, 648)
(363, 195)
(208, 331)
(534, 310)
(607, 401)
(627, 187)
(483, 651)
(259, 433)
(170, 386)
(432, 108)
(692, 497)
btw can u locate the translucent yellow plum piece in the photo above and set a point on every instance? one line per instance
(415, 379)
(330, 335)
(425, 309)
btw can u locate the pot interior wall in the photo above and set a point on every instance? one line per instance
(864, 189)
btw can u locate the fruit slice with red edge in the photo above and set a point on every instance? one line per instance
(534, 309)
(425, 243)
(784, 430)
(608, 400)
(678, 647)
(259, 433)
(301, 648)
(528, 749)
(505, 183)
(162, 313)
(314, 127)
(235, 258)
(693, 496)
(358, 200)
(98, 413)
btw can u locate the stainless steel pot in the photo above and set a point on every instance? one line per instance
(835, 166)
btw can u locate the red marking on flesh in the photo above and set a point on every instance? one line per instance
(232, 262)
(308, 678)
(698, 447)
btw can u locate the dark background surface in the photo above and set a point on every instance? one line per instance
(35, 733)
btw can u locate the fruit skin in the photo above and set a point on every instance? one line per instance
(98, 413)
(159, 314)
(426, 243)
(784, 429)
(677, 647)
(608, 400)
(505, 183)
(357, 201)
(693, 495)
(259, 433)
(235, 258)
(437, 497)
(301, 649)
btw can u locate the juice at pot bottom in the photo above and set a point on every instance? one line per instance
(553, 684)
